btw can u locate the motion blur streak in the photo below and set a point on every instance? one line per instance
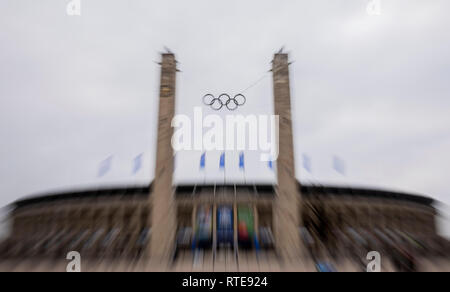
(287, 226)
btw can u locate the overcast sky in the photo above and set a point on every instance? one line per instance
(371, 89)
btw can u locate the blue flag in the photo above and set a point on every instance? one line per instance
(270, 164)
(202, 161)
(241, 161)
(339, 165)
(105, 166)
(222, 161)
(137, 163)
(307, 163)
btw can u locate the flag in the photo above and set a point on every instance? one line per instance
(174, 160)
(241, 161)
(137, 163)
(222, 161)
(202, 160)
(105, 166)
(306, 163)
(339, 165)
(270, 164)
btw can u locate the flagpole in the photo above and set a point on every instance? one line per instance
(242, 163)
(202, 166)
(136, 167)
(245, 179)
(224, 170)
(222, 166)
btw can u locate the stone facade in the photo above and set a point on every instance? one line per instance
(286, 212)
(162, 198)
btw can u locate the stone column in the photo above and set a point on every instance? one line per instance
(162, 198)
(286, 205)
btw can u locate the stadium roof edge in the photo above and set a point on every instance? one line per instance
(305, 189)
(365, 192)
(86, 192)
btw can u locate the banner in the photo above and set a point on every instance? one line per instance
(225, 228)
(204, 225)
(246, 229)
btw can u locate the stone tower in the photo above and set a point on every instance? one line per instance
(162, 199)
(286, 204)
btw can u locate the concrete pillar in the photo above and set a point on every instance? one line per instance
(162, 199)
(286, 205)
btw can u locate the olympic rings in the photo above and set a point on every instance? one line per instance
(224, 99)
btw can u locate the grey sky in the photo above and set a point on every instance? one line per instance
(373, 90)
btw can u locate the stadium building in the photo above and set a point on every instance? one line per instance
(223, 227)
